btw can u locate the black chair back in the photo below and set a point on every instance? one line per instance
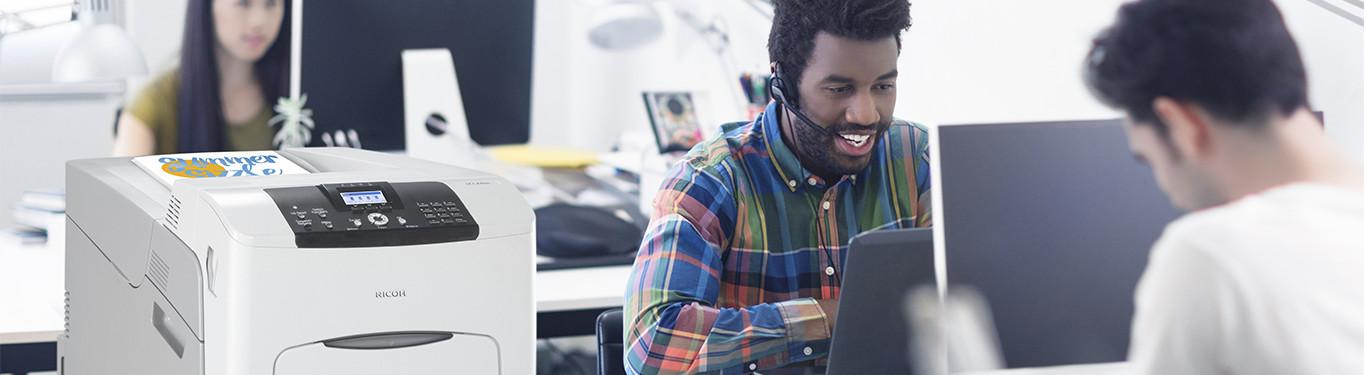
(610, 343)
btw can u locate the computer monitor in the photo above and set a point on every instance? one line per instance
(1052, 223)
(352, 70)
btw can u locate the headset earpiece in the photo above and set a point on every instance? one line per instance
(779, 91)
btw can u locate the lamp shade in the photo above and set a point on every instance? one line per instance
(100, 52)
(625, 26)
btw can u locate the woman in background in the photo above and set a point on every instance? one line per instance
(233, 67)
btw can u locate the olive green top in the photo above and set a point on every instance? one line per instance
(158, 106)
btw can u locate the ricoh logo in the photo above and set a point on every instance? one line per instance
(391, 294)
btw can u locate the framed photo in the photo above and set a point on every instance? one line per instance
(673, 117)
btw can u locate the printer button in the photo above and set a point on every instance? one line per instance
(378, 219)
(322, 215)
(422, 204)
(401, 220)
(327, 224)
(355, 222)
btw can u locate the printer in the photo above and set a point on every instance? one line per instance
(369, 263)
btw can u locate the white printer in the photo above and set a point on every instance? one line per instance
(371, 264)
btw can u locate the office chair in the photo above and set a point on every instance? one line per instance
(610, 343)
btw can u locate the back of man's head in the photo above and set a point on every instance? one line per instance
(1234, 58)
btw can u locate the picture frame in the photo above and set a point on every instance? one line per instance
(674, 120)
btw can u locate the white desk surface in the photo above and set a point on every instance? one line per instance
(32, 290)
(1113, 368)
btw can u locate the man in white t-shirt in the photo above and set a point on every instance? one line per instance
(1264, 275)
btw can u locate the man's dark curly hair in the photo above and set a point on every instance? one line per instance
(1234, 57)
(796, 23)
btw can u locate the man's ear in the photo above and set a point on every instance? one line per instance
(1188, 128)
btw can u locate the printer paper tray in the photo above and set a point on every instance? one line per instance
(460, 354)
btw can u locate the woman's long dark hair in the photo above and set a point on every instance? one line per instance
(200, 119)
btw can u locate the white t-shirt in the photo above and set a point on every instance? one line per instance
(1268, 284)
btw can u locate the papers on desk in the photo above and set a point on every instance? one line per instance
(46, 200)
(37, 216)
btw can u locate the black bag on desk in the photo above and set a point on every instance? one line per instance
(569, 231)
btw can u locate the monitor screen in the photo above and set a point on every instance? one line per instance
(1052, 224)
(352, 69)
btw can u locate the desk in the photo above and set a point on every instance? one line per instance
(31, 292)
(1112, 368)
(568, 301)
(31, 305)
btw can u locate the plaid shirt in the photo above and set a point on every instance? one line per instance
(744, 241)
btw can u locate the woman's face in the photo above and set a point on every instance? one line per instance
(245, 29)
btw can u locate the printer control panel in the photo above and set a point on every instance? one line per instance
(370, 214)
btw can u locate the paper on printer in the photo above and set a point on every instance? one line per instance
(169, 168)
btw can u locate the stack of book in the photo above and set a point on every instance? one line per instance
(39, 215)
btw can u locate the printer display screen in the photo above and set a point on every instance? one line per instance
(363, 197)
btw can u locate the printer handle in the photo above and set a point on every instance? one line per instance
(388, 340)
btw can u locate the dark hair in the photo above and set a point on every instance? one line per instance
(200, 119)
(796, 23)
(1234, 58)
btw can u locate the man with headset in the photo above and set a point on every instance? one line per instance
(740, 268)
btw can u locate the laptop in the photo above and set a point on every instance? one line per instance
(889, 280)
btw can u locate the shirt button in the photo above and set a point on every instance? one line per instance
(830, 270)
(753, 366)
(811, 180)
(792, 183)
(825, 205)
(806, 350)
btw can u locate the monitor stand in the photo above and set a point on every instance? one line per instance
(434, 124)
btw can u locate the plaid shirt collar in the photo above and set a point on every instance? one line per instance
(783, 159)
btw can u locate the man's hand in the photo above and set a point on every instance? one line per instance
(831, 308)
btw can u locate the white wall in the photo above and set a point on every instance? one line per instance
(973, 61)
(156, 26)
(967, 61)
(1332, 50)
